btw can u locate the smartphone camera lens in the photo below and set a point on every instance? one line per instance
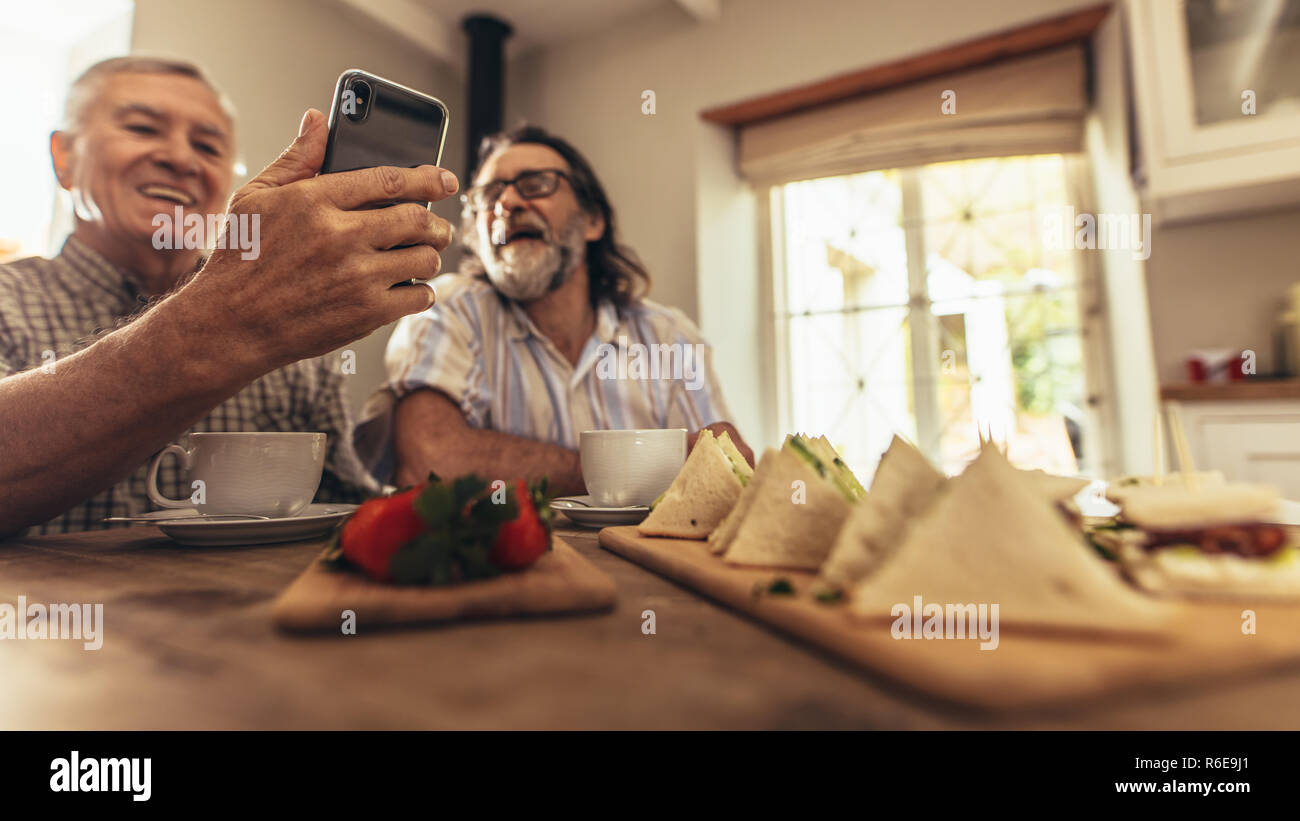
(355, 109)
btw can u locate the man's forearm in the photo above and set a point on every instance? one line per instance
(103, 411)
(493, 455)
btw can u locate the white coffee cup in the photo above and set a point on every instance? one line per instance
(260, 474)
(630, 467)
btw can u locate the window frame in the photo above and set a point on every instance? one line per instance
(1102, 456)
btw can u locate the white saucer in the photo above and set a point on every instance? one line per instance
(189, 527)
(582, 511)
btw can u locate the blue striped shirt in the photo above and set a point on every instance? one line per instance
(645, 366)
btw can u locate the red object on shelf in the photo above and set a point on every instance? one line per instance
(1237, 369)
(1216, 366)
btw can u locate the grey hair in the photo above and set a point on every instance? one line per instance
(85, 88)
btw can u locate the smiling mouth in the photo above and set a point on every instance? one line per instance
(519, 234)
(166, 192)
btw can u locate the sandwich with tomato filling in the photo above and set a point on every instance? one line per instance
(1203, 538)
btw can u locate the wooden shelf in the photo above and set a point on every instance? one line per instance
(1231, 391)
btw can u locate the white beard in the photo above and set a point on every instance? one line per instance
(527, 270)
(524, 270)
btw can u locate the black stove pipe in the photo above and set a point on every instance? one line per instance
(485, 97)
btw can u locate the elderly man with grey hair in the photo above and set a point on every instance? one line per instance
(121, 343)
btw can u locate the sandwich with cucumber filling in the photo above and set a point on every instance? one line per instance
(721, 537)
(822, 449)
(792, 510)
(703, 493)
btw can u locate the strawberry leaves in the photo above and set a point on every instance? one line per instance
(446, 531)
(463, 518)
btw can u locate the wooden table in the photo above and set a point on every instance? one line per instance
(188, 643)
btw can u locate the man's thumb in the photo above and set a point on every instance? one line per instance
(302, 159)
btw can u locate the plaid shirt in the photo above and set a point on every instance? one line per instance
(63, 304)
(645, 366)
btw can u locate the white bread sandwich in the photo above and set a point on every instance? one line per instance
(703, 493)
(721, 537)
(799, 500)
(1054, 487)
(991, 537)
(1117, 489)
(1209, 540)
(904, 484)
(824, 450)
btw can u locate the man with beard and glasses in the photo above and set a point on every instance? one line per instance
(536, 339)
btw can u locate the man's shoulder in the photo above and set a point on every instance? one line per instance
(457, 290)
(25, 291)
(663, 320)
(25, 275)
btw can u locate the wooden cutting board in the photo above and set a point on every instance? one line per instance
(562, 581)
(1203, 645)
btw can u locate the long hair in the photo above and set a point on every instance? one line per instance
(613, 270)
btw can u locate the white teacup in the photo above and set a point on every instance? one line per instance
(260, 474)
(630, 467)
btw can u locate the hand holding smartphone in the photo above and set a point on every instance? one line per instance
(376, 122)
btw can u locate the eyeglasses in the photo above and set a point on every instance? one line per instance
(531, 185)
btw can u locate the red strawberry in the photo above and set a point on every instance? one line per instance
(523, 540)
(378, 529)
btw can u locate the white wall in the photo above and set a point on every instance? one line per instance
(275, 60)
(589, 90)
(48, 48)
(1221, 284)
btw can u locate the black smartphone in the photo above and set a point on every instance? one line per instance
(374, 121)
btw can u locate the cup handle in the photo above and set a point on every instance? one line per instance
(151, 485)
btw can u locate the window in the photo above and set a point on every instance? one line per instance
(927, 301)
(44, 46)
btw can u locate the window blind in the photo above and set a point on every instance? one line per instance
(1034, 104)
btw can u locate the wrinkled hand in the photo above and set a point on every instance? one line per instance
(326, 264)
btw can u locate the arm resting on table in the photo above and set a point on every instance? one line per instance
(431, 434)
(105, 410)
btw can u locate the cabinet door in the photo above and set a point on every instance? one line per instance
(1229, 73)
(1263, 450)
(1217, 90)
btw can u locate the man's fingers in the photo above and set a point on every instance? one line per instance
(401, 264)
(409, 299)
(350, 190)
(302, 159)
(407, 224)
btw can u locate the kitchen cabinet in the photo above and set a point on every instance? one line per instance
(1256, 440)
(1217, 99)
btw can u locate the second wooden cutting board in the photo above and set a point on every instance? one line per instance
(1205, 643)
(562, 581)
